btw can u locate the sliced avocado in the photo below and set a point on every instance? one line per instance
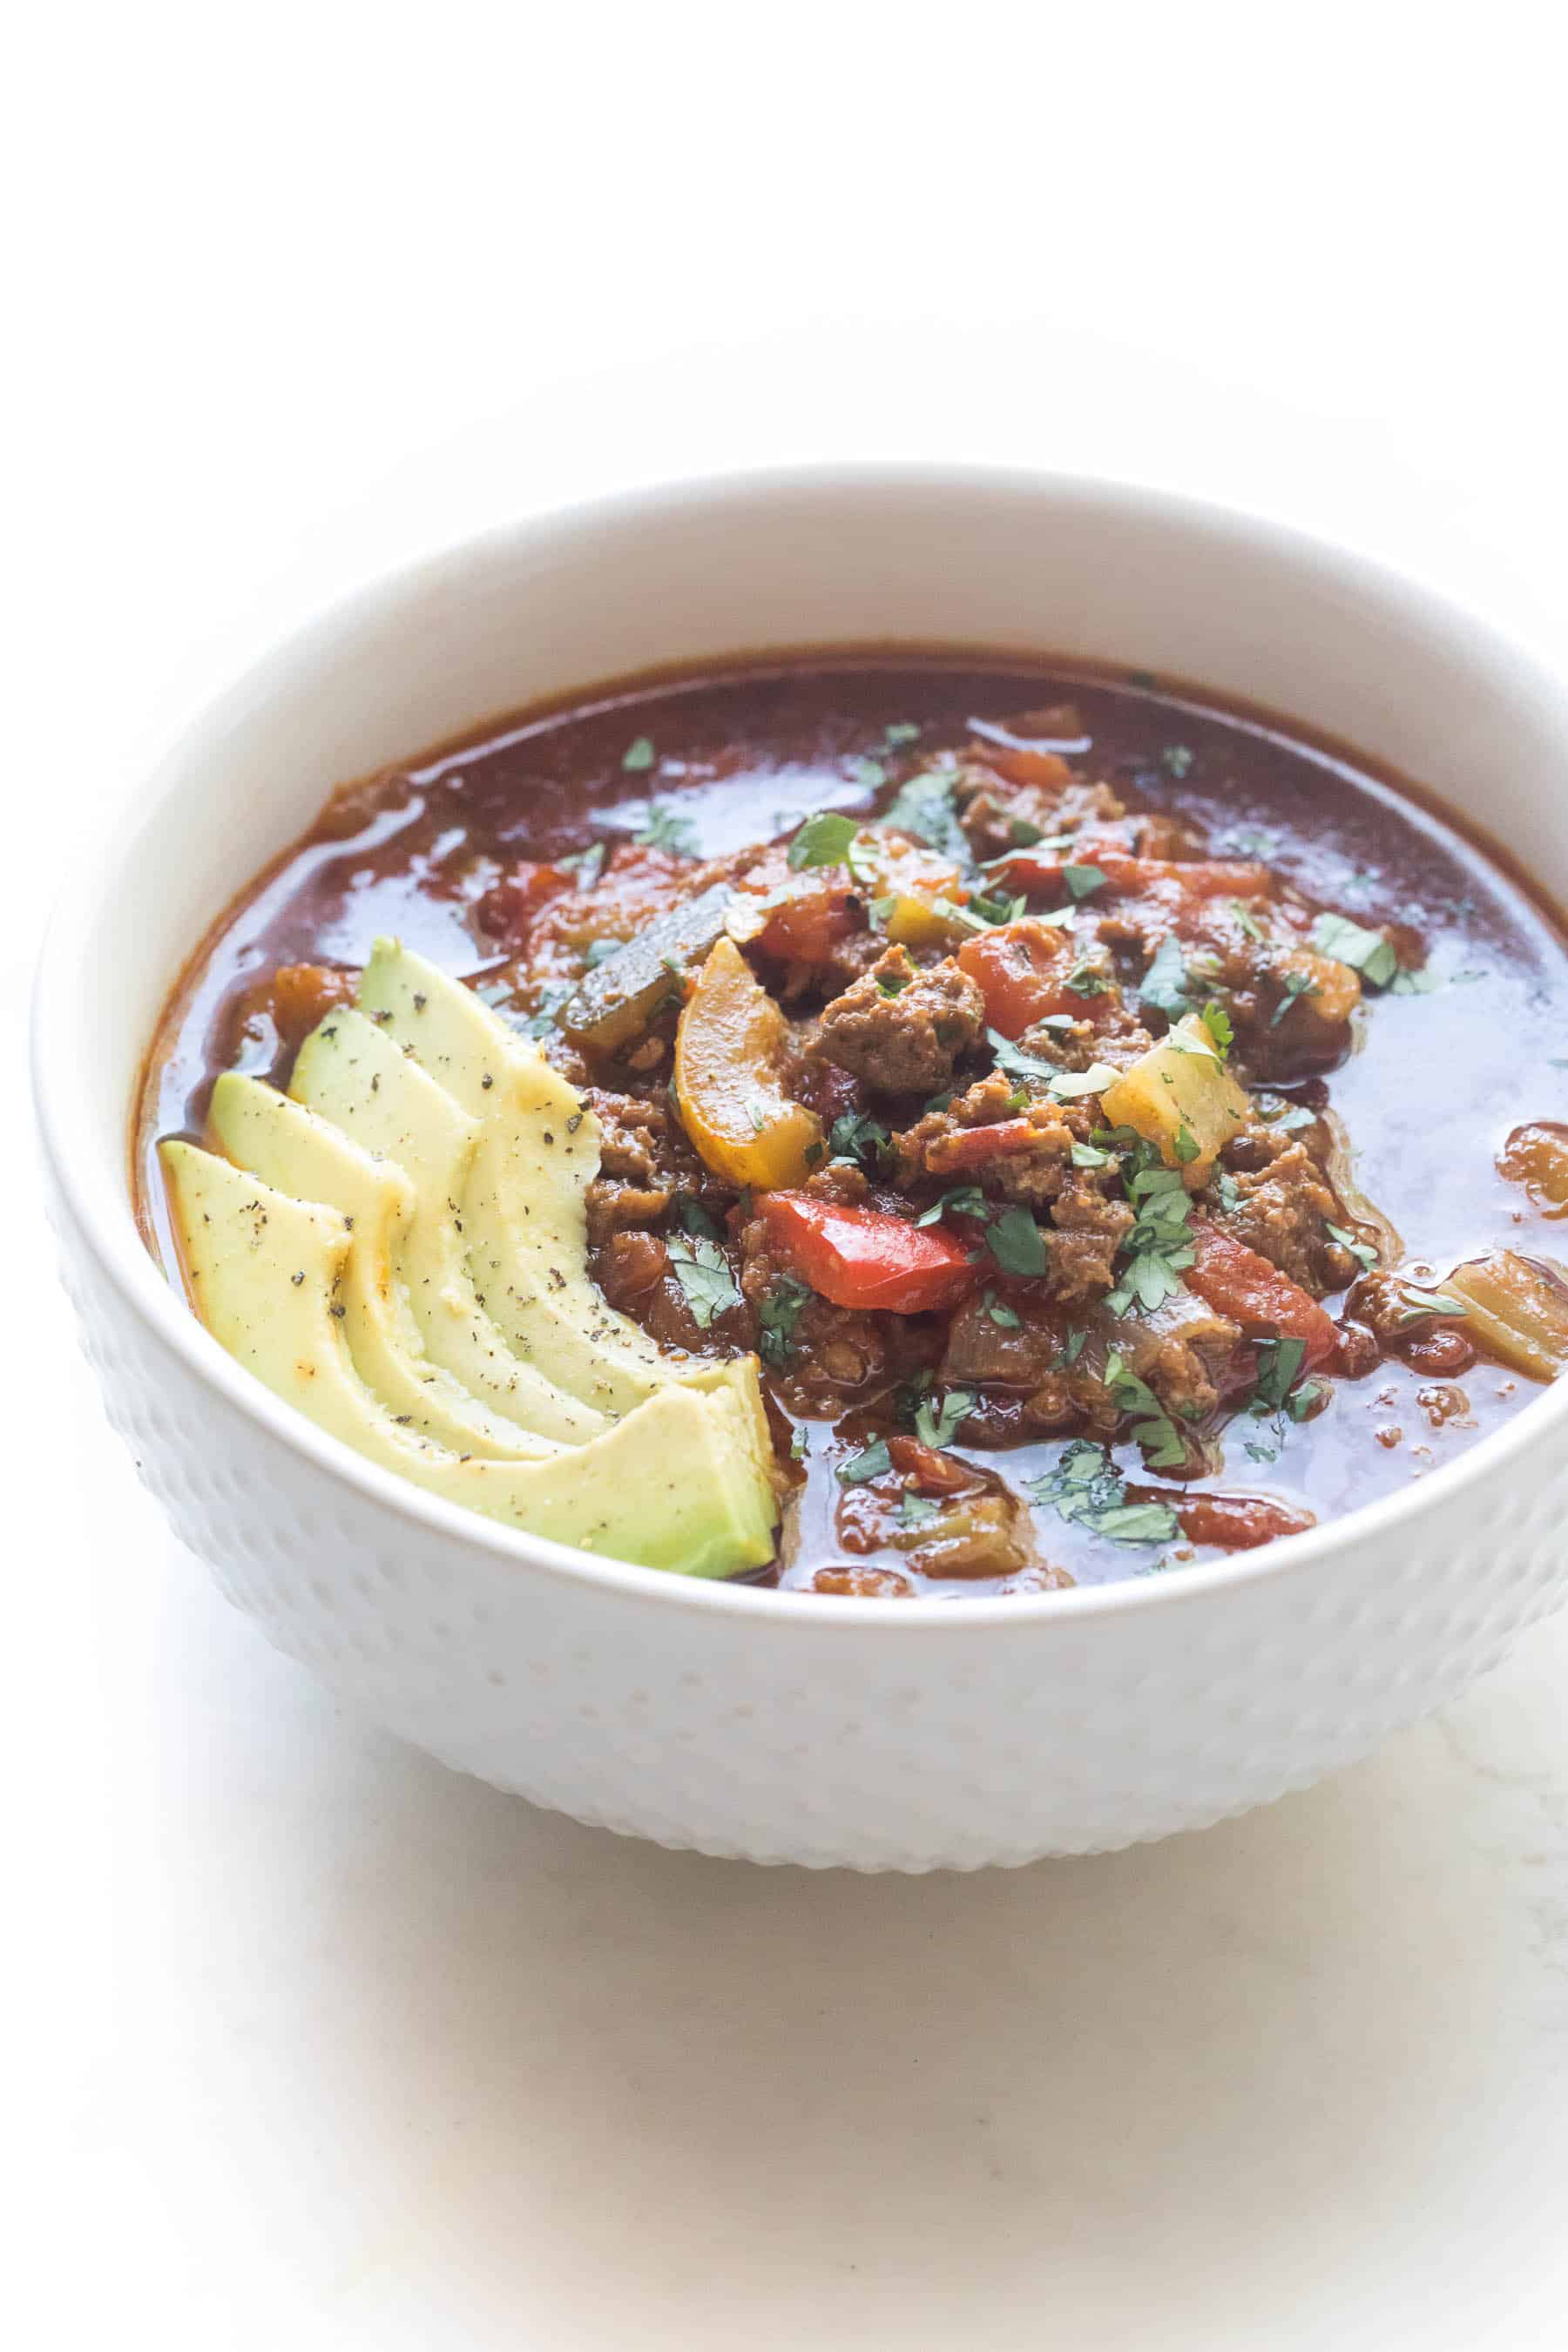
(673, 1485)
(538, 1153)
(298, 1153)
(355, 1077)
(524, 1210)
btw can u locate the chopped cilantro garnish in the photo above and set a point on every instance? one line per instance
(1246, 920)
(695, 1219)
(1005, 1317)
(663, 828)
(1228, 1190)
(1297, 984)
(1014, 1063)
(587, 865)
(1177, 758)
(601, 951)
(1278, 1364)
(873, 1462)
(1217, 1022)
(857, 1136)
(1164, 986)
(1082, 881)
(823, 840)
(778, 1315)
(1419, 1303)
(1086, 1489)
(916, 1511)
(1364, 951)
(959, 1201)
(924, 806)
(1186, 1144)
(939, 1428)
(1017, 1243)
(799, 1443)
(903, 731)
(1023, 833)
(1087, 980)
(1362, 1251)
(937, 1102)
(1406, 982)
(638, 755)
(1089, 1155)
(893, 983)
(705, 1277)
(1072, 1349)
(1163, 1446)
(1159, 1247)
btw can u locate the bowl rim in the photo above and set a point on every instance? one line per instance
(102, 1212)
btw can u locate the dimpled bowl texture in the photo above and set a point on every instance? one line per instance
(786, 1728)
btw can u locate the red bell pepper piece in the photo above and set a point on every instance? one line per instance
(1235, 1281)
(976, 1147)
(861, 1257)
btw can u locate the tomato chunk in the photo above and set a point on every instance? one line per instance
(861, 1257)
(934, 1472)
(1022, 969)
(806, 927)
(1232, 1522)
(1235, 1281)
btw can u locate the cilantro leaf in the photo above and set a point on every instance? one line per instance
(873, 1462)
(1367, 951)
(1419, 1302)
(638, 755)
(958, 1201)
(823, 840)
(924, 806)
(1278, 1364)
(916, 1511)
(857, 1136)
(1082, 881)
(1085, 1490)
(705, 1277)
(1177, 758)
(903, 731)
(1017, 1243)
(1164, 984)
(1362, 1251)
(1217, 1022)
(1297, 984)
(663, 828)
(1164, 1448)
(1004, 1317)
(938, 1429)
(778, 1315)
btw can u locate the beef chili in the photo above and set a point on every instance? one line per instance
(1126, 1129)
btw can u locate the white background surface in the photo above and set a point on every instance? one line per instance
(315, 2044)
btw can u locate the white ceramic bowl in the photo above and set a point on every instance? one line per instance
(783, 1726)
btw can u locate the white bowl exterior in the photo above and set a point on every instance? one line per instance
(781, 1726)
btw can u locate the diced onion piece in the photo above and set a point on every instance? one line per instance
(1181, 1097)
(728, 1049)
(1515, 1310)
